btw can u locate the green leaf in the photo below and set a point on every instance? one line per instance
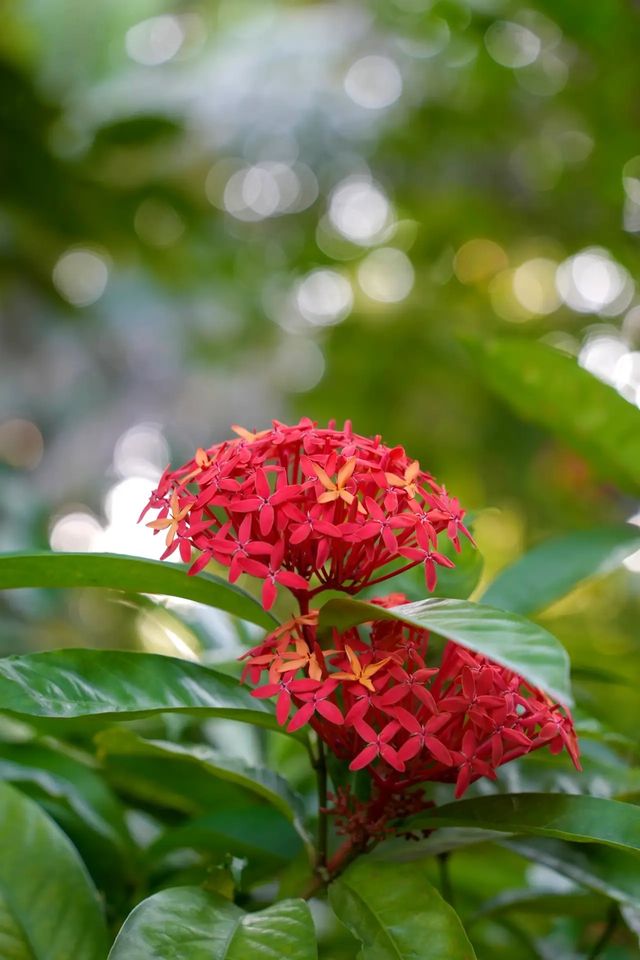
(549, 388)
(555, 567)
(207, 764)
(242, 829)
(59, 775)
(121, 685)
(131, 574)
(613, 873)
(80, 801)
(548, 903)
(507, 638)
(49, 909)
(566, 816)
(189, 922)
(396, 914)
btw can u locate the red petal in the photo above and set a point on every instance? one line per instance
(364, 758)
(282, 708)
(199, 564)
(266, 519)
(409, 749)
(330, 712)
(439, 750)
(303, 716)
(391, 756)
(293, 580)
(269, 594)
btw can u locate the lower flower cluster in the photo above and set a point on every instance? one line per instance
(382, 706)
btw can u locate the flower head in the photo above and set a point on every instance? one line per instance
(306, 508)
(380, 707)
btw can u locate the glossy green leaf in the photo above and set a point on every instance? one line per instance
(49, 909)
(240, 829)
(192, 923)
(548, 903)
(208, 764)
(555, 567)
(549, 388)
(505, 637)
(614, 873)
(59, 775)
(131, 574)
(80, 801)
(121, 685)
(396, 914)
(566, 816)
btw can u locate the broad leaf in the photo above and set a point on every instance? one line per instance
(549, 388)
(507, 638)
(549, 903)
(58, 775)
(190, 922)
(565, 816)
(205, 763)
(555, 567)
(253, 831)
(49, 909)
(80, 801)
(121, 685)
(614, 873)
(131, 574)
(396, 914)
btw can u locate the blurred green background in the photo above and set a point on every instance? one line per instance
(225, 212)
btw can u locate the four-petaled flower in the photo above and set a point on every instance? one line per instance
(358, 673)
(172, 525)
(317, 701)
(336, 490)
(377, 745)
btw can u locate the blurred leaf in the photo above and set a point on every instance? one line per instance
(507, 638)
(59, 775)
(548, 903)
(136, 131)
(443, 840)
(62, 570)
(396, 914)
(49, 909)
(122, 685)
(567, 817)
(80, 801)
(255, 831)
(206, 762)
(555, 567)
(187, 921)
(549, 388)
(631, 916)
(613, 873)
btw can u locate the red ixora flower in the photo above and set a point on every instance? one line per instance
(306, 508)
(379, 707)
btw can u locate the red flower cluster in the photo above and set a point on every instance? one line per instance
(378, 704)
(307, 508)
(315, 509)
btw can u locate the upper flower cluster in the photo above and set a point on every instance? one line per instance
(307, 508)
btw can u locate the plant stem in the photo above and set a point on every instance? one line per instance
(323, 825)
(605, 936)
(335, 866)
(445, 880)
